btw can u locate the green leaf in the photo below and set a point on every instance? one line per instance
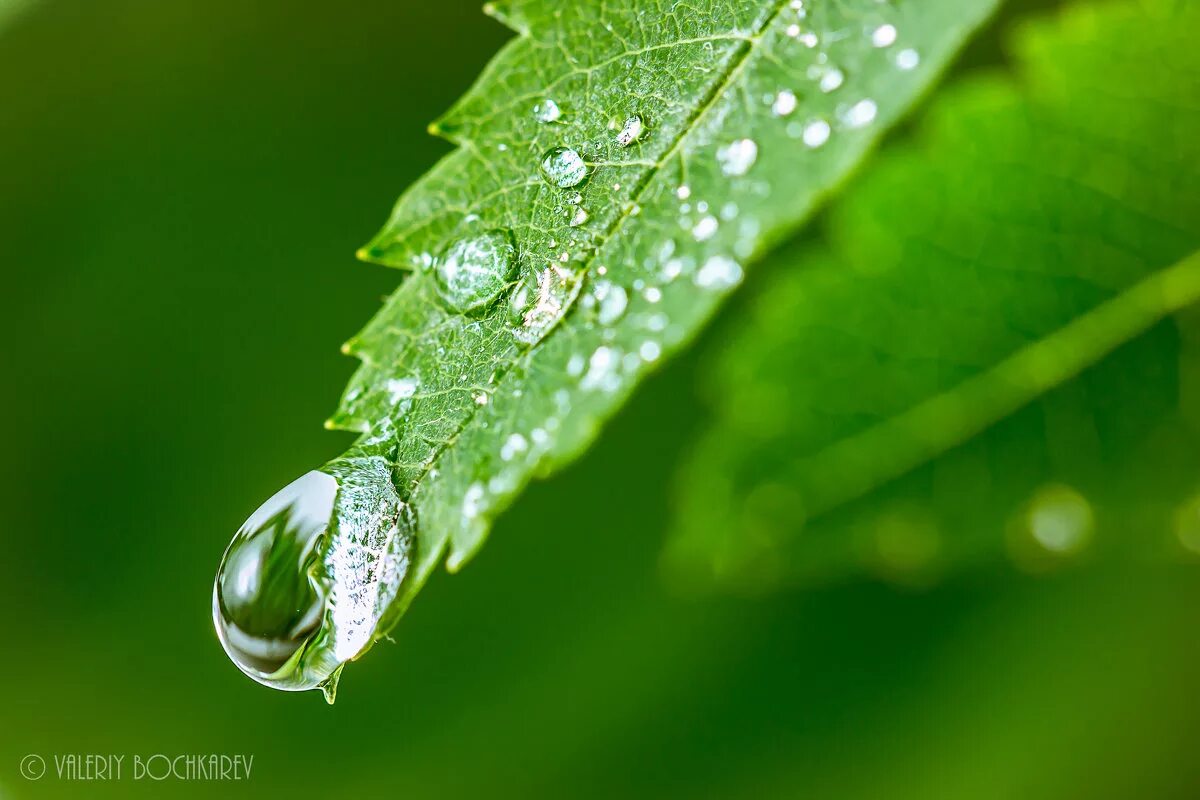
(618, 163)
(985, 356)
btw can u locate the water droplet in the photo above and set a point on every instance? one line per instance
(269, 596)
(579, 217)
(884, 36)
(809, 39)
(602, 370)
(650, 350)
(860, 114)
(475, 270)
(1060, 520)
(738, 157)
(564, 167)
(575, 199)
(513, 447)
(705, 228)
(793, 30)
(556, 286)
(547, 111)
(611, 300)
(719, 272)
(828, 78)
(400, 389)
(683, 192)
(308, 578)
(630, 131)
(784, 104)
(908, 59)
(816, 133)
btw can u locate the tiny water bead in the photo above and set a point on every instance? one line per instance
(474, 271)
(547, 111)
(884, 36)
(270, 594)
(738, 157)
(784, 103)
(630, 131)
(908, 59)
(564, 167)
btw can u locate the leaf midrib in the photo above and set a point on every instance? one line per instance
(736, 66)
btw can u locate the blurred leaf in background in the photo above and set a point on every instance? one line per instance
(910, 397)
(185, 184)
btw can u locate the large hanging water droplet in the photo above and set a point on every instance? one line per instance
(475, 270)
(309, 580)
(269, 596)
(564, 167)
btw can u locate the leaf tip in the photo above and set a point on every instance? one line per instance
(504, 13)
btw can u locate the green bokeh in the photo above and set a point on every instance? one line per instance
(185, 184)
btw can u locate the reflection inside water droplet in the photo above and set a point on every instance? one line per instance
(269, 595)
(564, 167)
(475, 270)
(309, 581)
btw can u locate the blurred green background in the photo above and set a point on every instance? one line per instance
(185, 184)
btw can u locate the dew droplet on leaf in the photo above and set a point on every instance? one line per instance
(475, 270)
(564, 167)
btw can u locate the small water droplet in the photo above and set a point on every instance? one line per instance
(575, 199)
(705, 228)
(683, 192)
(719, 272)
(784, 104)
(513, 446)
(564, 167)
(1060, 520)
(475, 270)
(556, 286)
(908, 59)
(579, 217)
(611, 300)
(860, 114)
(738, 157)
(828, 78)
(884, 36)
(816, 133)
(630, 131)
(650, 350)
(547, 111)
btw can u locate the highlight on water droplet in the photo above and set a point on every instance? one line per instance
(579, 217)
(564, 167)
(475, 270)
(630, 131)
(547, 111)
(738, 157)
